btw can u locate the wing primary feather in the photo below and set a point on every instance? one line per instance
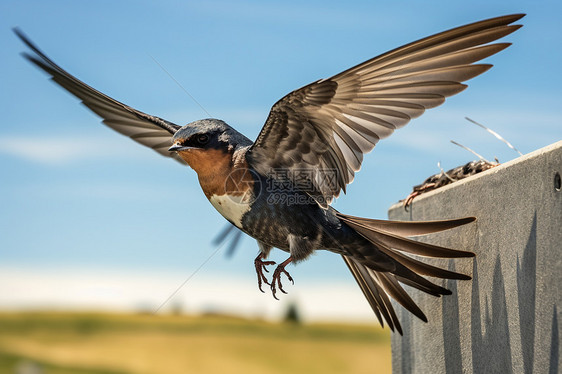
(411, 79)
(115, 114)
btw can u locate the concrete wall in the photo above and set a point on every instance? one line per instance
(507, 319)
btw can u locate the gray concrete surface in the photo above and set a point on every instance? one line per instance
(507, 319)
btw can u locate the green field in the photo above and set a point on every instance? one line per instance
(96, 343)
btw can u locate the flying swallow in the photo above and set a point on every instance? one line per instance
(278, 189)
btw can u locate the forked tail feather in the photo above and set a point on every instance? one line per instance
(388, 236)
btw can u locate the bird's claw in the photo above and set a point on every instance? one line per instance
(276, 280)
(260, 268)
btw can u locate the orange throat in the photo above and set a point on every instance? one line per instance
(219, 172)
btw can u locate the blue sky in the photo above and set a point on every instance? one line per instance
(76, 195)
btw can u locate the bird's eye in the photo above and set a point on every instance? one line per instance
(203, 139)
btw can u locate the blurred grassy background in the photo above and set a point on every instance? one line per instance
(111, 343)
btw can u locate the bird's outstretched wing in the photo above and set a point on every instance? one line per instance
(328, 125)
(151, 131)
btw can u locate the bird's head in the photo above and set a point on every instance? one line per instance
(205, 142)
(201, 135)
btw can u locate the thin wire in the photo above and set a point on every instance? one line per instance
(220, 246)
(470, 150)
(495, 134)
(180, 86)
(188, 279)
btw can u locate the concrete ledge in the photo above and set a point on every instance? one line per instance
(506, 320)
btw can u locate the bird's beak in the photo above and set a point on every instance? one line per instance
(177, 147)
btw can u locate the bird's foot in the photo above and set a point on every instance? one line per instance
(410, 199)
(276, 279)
(260, 268)
(416, 192)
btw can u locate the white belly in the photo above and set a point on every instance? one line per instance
(231, 207)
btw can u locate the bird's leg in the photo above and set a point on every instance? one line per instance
(417, 191)
(276, 279)
(260, 268)
(410, 199)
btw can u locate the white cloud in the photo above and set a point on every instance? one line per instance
(47, 151)
(102, 289)
(64, 150)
